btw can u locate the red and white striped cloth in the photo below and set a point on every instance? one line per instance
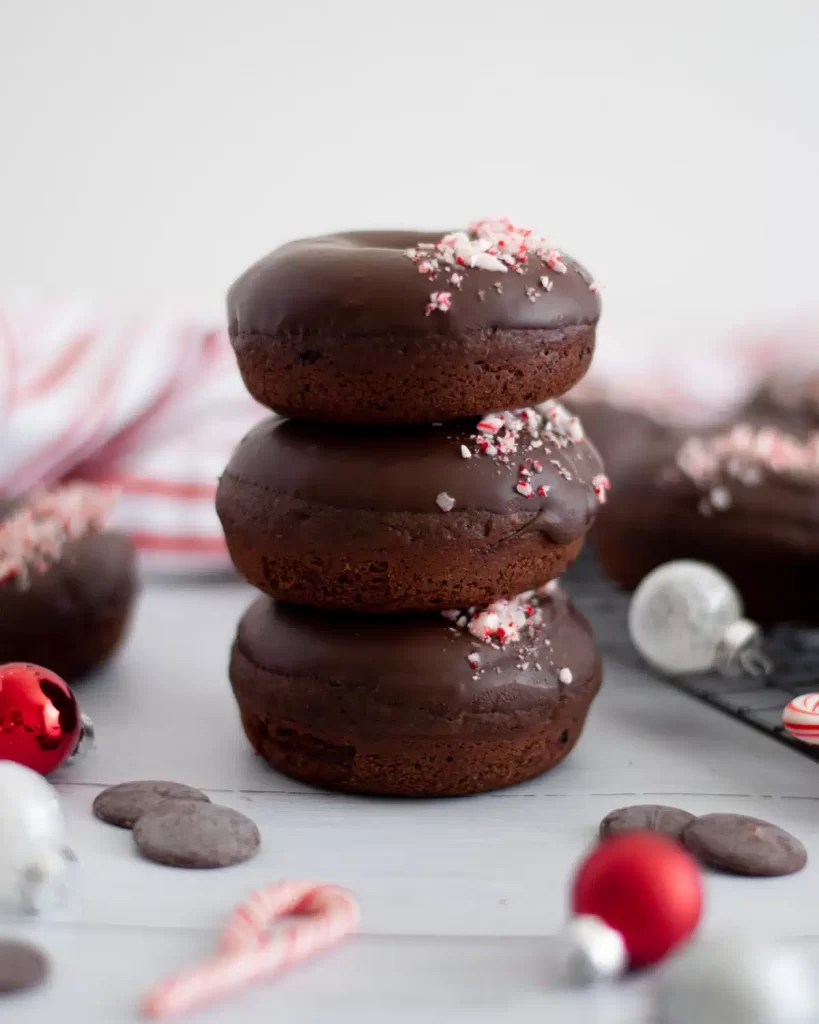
(152, 404)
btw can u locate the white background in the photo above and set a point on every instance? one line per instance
(152, 149)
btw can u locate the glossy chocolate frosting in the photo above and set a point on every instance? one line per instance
(361, 283)
(775, 509)
(94, 575)
(620, 435)
(414, 663)
(403, 470)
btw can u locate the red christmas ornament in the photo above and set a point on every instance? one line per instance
(646, 887)
(40, 722)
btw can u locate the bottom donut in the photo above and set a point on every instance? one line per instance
(421, 705)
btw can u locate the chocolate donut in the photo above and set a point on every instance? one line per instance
(745, 499)
(617, 432)
(413, 518)
(788, 397)
(399, 327)
(424, 705)
(68, 585)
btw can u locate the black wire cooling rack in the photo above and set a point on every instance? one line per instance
(757, 702)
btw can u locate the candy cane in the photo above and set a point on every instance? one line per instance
(250, 953)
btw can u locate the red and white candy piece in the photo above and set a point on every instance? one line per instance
(801, 718)
(249, 952)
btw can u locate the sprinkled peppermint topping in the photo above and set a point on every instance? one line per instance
(720, 498)
(465, 452)
(594, 286)
(445, 502)
(439, 300)
(491, 424)
(504, 621)
(554, 261)
(33, 538)
(743, 455)
(565, 676)
(601, 484)
(551, 426)
(513, 624)
(494, 245)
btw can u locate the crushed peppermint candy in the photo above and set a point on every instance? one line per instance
(554, 261)
(465, 452)
(743, 455)
(445, 502)
(439, 300)
(720, 498)
(33, 538)
(494, 245)
(550, 426)
(546, 283)
(565, 676)
(601, 484)
(502, 622)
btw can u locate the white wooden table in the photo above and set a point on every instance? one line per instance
(461, 898)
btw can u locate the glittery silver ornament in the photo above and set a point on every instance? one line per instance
(686, 617)
(742, 981)
(32, 840)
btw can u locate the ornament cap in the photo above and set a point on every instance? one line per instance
(86, 742)
(593, 951)
(740, 650)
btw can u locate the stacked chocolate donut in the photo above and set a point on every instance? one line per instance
(403, 531)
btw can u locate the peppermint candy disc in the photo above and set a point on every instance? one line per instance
(801, 718)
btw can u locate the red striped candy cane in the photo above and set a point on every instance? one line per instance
(251, 953)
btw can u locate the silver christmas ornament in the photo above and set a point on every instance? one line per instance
(686, 617)
(747, 982)
(592, 951)
(32, 840)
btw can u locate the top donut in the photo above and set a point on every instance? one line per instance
(407, 327)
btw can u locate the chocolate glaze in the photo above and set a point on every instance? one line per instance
(619, 434)
(780, 510)
(361, 283)
(69, 616)
(414, 665)
(404, 469)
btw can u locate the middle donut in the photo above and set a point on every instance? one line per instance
(413, 518)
